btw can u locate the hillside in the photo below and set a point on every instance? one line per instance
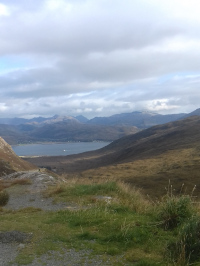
(76, 131)
(9, 161)
(152, 156)
(195, 112)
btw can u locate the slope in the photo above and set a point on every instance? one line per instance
(73, 130)
(10, 162)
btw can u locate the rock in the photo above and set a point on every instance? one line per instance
(21, 246)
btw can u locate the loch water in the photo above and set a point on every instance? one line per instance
(57, 149)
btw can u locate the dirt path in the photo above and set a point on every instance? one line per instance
(31, 195)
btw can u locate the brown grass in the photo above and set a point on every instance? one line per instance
(151, 175)
(133, 198)
(24, 181)
(52, 191)
(8, 183)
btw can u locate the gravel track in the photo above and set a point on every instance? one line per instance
(31, 195)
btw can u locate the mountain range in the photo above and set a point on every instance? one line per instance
(41, 120)
(64, 131)
(79, 128)
(138, 119)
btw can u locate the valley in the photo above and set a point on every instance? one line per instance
(128, 203)
(153, 156)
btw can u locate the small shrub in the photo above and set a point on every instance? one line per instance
(173, 210)
(4, 197)
(187, 248)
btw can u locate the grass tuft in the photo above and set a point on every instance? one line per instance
(175, 210)
(186, 249)
(132, 197)
(4, 198)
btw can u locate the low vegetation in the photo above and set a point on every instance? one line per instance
(4, 197)
(186, 249)
(153, 174)
(6, 183)
(113, 220)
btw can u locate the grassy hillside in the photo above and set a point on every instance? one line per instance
(154, 174)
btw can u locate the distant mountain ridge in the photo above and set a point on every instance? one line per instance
(63, 131)
(68, 128)
(139, 119)
(39, 120)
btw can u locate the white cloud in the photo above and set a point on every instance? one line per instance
(4, 11)
(99, 57)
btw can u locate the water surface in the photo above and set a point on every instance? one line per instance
(56, 149)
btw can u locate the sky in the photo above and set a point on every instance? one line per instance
(98, 57)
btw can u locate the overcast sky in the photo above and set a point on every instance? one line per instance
(98, 57)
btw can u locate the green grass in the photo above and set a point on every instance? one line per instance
(175, 210)
(128, 226)
(186, 248)
(86, 192)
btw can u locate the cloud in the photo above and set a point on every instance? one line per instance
(4, 10)
(98, 57)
